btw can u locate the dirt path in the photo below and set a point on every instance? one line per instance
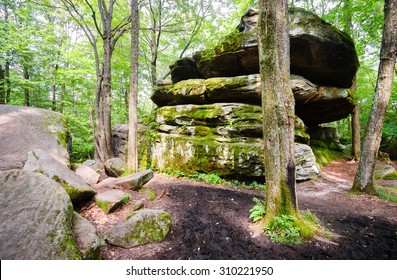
(212, 222)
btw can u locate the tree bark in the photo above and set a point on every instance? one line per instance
(363, 181)
(26, 89)
(356, 138)
(277, 109)
(8, 82)
(2, 86)
(132, 161)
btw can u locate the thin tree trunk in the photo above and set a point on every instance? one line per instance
(26, 90)
(8, 82)
(363, 182)
(2, 86)
(356, 138)
(278, 109)
(54, 88)
(132, 160)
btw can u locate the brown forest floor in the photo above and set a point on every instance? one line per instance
(211, 222)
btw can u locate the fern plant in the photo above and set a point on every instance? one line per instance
(283, 230)
(258, 211)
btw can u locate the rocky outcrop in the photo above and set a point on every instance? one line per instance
(325, 137)
(314, 104)
(319, 52)
(41, 162)
(36, 218)
(25, 128)
(87, 239)
(143, 226)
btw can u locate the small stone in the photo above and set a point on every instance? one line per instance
(109, 201)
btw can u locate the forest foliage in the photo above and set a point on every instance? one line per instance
(47, 62)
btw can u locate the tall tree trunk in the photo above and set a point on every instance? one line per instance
(356, 138)
(2, 86)
(355, 116)
(8, 82)
(132, 161)
(26, 90)
(54, 88)
(277, 109)
(363, 182)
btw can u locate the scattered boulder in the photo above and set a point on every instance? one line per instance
(319, 51)
(304, 159)
(135, 181)
(93, 165)
(110, 200)
(383, 170)
(106, 183)
(144, 226)
(25, 128)
(87, 239)
(115, 167)
(36, 218)
(87, 173)
(137, 204)
(41, 162)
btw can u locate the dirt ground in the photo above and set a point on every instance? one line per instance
(211, 222)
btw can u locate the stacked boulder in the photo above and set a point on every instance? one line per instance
(209, 117)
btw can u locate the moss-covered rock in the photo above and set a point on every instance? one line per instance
(26, 128)
(319, 52)
(110, 200)
(143, 226)
(41, 162)
(314, 104)
(36, 218)
(87, 239)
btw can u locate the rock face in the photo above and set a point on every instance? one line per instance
(87, 239)
(319, 52)
(314, 104)
(36, 218)
(144, 226)
(23, 129)
(41, 162)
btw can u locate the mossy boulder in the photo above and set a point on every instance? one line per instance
(135, 181)
(36, 218)
(143, 226)
(87, 239)
(314, 104)
(115, 167)
(319, 52)
(110, 200)
(41, 162)
(382, 171)
(25, 128)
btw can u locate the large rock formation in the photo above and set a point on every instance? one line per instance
(36, 218)
(23, 129)
(319, 52)
(209, 116)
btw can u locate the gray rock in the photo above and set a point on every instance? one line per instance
(36, 218)
(115, 167)
(319, 52)
(382, 170)
(135, 181)
(314, 104)
(137, 204)
(220, 155)
(87, 173)
(93, 165)
(25, 128)
(144, 226)
(184, 69)
(325, 137)
(87, 239)
(110, 200)
(305, 163)
(120, 139)
(41, 162)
